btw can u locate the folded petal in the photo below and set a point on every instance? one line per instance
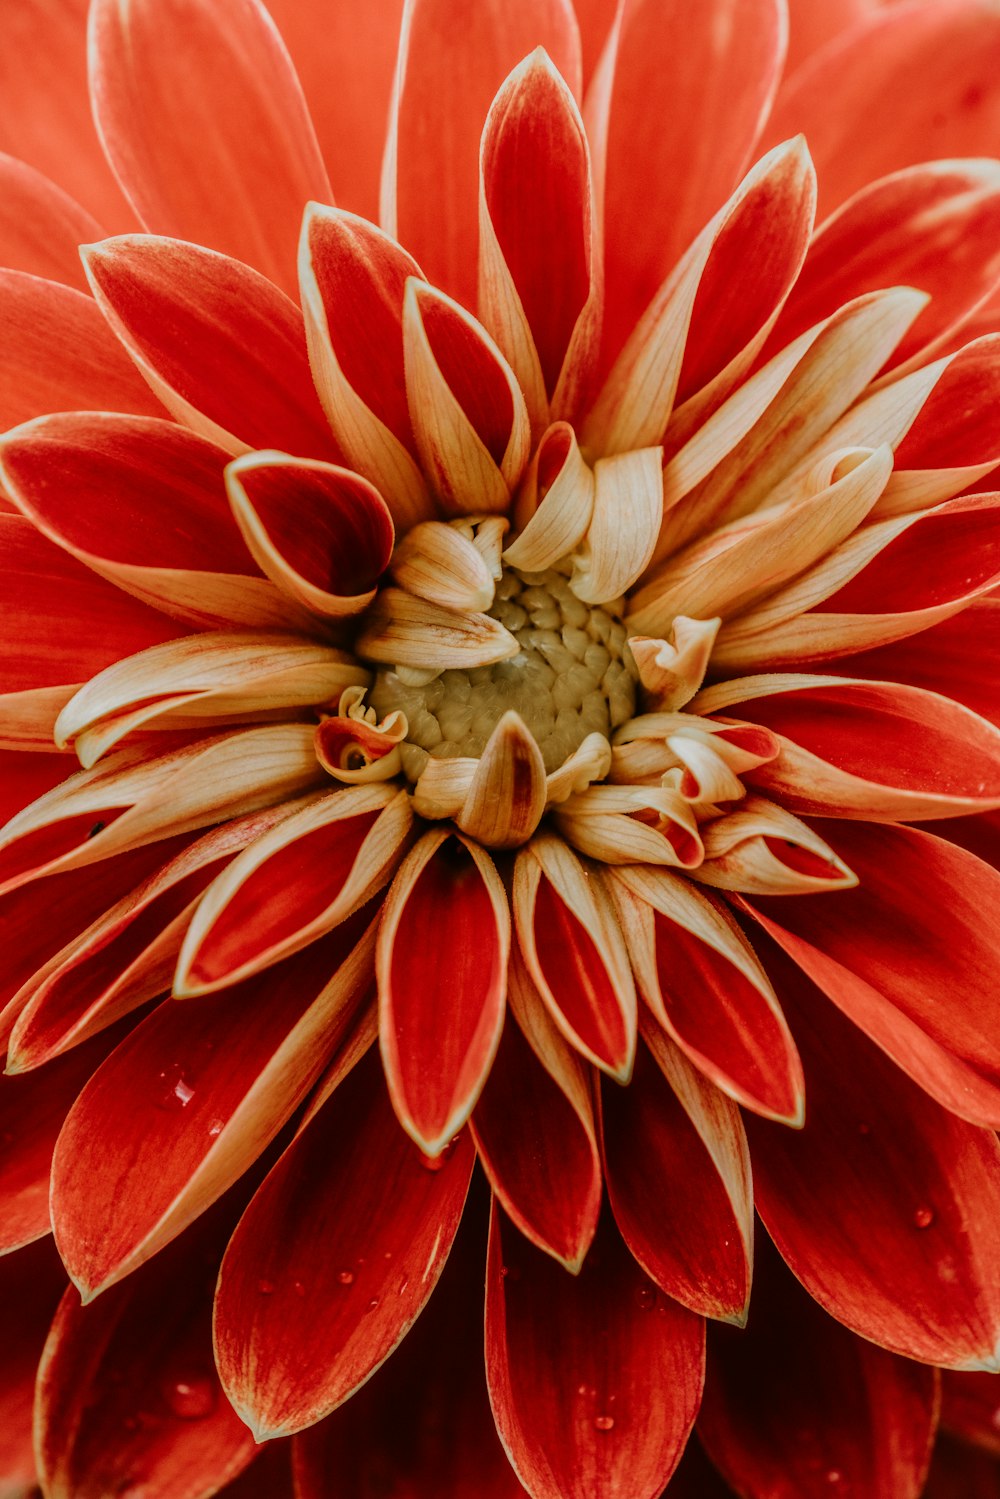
(436, 1061)
(200, 1089)
(690, 91)
(594, 1379)
(128, 1393)
(334, 1258)
(884, 1204)
(860, 119)
(220, 345)
(59, 354)
(797, 1407)
(886, 954)
(205, 125)
(678, 1174)
(451, 64)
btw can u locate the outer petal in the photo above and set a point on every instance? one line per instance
(690, 91)
(31, 1283)
(220, 345)
(959, 657)
(452, 61)
(797, 1407)
(679, 1180)
(334, 1259)
(437, 1059)
(41, 226)
(594, 1380)
(885, 1204)
(204, 123)
(887, 954)
(422, 1424)
(127, 1391)
(812, 26)
(59, 353)
(201, 1089)
(52, 128)
(862, 122)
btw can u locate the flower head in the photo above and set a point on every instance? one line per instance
(505, 673)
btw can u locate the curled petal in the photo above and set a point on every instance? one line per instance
(354, 747)
(403, 630)
(555, 503)
(761, 849)
(438, 563)
(672, 670)
(628, 506)
(631, 825)
(507, 796)
(436, 1062)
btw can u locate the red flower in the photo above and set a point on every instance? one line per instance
(565, 647)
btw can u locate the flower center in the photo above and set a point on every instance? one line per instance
(572, 676)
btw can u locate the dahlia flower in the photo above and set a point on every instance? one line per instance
(501, 752)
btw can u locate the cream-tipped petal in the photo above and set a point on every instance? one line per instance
(400, 628)
(506, 800)
(555, 503)
(436, 562)
(628, 507)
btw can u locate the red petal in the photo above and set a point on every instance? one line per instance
(204, 123)
(59, 353)
(538, 1146)
(52, 128)
(690, 90)
(347, 78)
(128, 1395)
(594, 1379)
(221, 345)
(437, 1061)
(797, 1407)
(935, 227)
(421, 1426)
(896, 751)
(679, 1183)
(969, 1407)
(908, 955)
(41, 226)
(452, 62)
(76, 622)
(953, 427)
(959, 657)
(334, 1259)
(884, 1205)
(856, 103)
(200, 1089)
(813, 26)
(31, 1283)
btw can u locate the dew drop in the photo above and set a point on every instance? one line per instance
(298, 1287)
(266, 1287)
(834, 1476)
(345, 1277)
(215, 1128)
(175, 1090)
(646, 1298)
(604, 1423)
(923, 1217)
(373, 1303)
(387, 1255)
(581, 1389)
(191, 1398)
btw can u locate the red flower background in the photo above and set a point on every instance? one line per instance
(781, 937)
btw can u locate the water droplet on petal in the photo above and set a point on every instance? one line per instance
(581, 1389)
(215, 1128)
(266, 1287)
(646, 1297)
(923, 1217)
(834, 1476)
(604, 1423)
(176, 1091)
(191, 1398)
(345, 1277)
(373, 1303)
(298, 1287)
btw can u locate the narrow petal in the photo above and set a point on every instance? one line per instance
(885, 954)
(573, 948)
(860, 129)
(451, 64)
(422, 1423)
(595, 1379)
(678, 1174)
(32, 1283)
(537, 1140)
(707, 989)
(628, 508)
(41, 226)
(128, 1393)
(59, 353)
(321, 533)
(555, 503)
(204, 123)
(884, 1204)
(297, 881)
(957, 658)
(220, 345)
(690, 93)
(506, 799)
(403, 630)
(312, 1298)
(436, 1061)
(202, 1089)
(353, 279)
(797, 1407)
